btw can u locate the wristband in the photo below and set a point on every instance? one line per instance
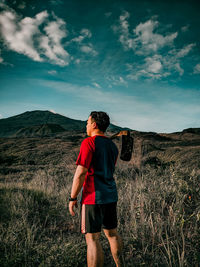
(72, 199)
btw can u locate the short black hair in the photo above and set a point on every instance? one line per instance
(101, 118)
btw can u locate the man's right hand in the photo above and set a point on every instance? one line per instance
(72, 204)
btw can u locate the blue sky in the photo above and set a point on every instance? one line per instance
(137, 60)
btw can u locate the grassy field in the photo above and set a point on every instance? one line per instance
(158, 219)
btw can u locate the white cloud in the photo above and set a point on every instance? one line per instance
(153, 68)
(24, 36)
(78, 61)
(123, 21)
(1, 116)
(142, 39)
(51, 43)
(197, 69)
(85, 33)
(40, 37)
(84, 46)
(19, 37)
(178, 68)
(153, 65)
(184, 51)
(147, 40)
(78, 39)
(115, 80)
(172, 61)
(121, 80)
(55, 33)
(88, 49)
(185, 28)
(147, 74)
(97, 85)
(124, 38)
(156, 67)
(52, 72)
(158, 56)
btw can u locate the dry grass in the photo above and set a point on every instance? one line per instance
(158, 211)
(158, 208)
(162, 218)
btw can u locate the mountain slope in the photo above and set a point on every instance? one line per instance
(13, 126)
(39, 130)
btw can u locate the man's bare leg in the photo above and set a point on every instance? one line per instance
(95, 255)
(116, 246)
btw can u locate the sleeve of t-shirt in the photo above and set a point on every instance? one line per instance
(86, 152)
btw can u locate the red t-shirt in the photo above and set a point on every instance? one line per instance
(99, 155)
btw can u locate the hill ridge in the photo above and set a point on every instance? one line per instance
(11, 126)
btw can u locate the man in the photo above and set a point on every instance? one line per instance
(96, 164)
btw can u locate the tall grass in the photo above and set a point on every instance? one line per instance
(159, 216)
(158, 219)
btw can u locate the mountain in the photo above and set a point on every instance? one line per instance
(39, 131)
(12, 125)
(192, 130)
(31, 123)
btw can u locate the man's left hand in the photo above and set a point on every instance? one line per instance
(72, 204)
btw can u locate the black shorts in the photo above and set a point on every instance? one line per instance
(93, 217)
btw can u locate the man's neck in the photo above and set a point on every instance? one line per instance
(97, 133)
